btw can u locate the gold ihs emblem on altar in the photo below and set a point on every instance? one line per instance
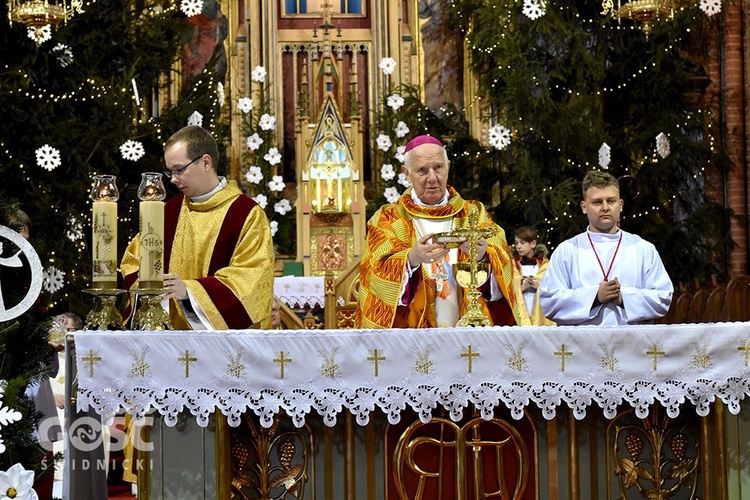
(329, 368)
(609, 359)
(516, 361)
(701, 358)
(139, 367)
(234, 367)
(423, 364)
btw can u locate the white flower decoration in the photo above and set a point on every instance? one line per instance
(191, 7)
(710, 7)
(220, 96)
(195, 119)
(277, 184)
(499, 136)
(388, 65)
(273, 157)
(261, 200)
(254, 142)
(534, 9)
(42, 35)
(132, 150)
(401, 154)
(267, 122)
(64, 54)
(395, 101)
(274, 227)
(401, 130)
(282, 207)
(75, 229)
(391, 194)
(245, 104)
(254, 175)
(662, 145)
(605, 156)
(402, 180)
(53, 280)
(384, 142)
(48, 157)
(259, 74)
(17, 483)
(386, 172)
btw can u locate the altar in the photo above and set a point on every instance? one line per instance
(497, 412)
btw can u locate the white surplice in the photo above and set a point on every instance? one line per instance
(567, 293)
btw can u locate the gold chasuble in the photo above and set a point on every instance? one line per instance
(535, 317)
(391, 234)
(222, 250)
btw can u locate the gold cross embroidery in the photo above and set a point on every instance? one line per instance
(375, 358)
(186, 360)
(562, 353)
(655, 352)
(746, 348)
(282, 360)
(91, 359)
(469, 354)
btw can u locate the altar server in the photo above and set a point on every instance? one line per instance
(604, 276)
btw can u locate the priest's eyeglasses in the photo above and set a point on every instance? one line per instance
(179, 171)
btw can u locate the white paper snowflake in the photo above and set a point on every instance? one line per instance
(267, 122)
(384, 142)
(40, 35)
(64, 54)
(261, 200)
(499, 136)
(132, 150)
(395, 101)
(259, 74)
(273, 157)
(401, 130)
(391, 194)
(195, 119)
(402, 180)
(220, 96)
(274, 227)
(534, 9)
(710, 7)
(48, 157)
(277, 184)
(191, 7)
(662, 145)
(605, 155)
(245, 104)
(7, 415)
(400, 154)
(388, 65)
(53, 279)
(74, 232)
(253, 142)
(386, 172)
(254, 175)
(283, 207)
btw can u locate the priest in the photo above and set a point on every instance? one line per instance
(406, 275)
(604, 276)
(218, 251)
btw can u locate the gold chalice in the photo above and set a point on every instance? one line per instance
(462, 272)
(450, 240)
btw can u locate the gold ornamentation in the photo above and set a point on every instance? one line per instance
(234, 367)
(91, 359)
(104, 315)
(345, 320)
(423, 364)
(39, 13)
(186, 359)
(469, 354)
(375, 358)
(562, 353)
(701, 358)
(607, 7)
(745, 347)
(646, 12)
(609, 361)
(516, 361)
(151, 315)
(139, 367)
(329, 368)
(655, 351)
(281, 362)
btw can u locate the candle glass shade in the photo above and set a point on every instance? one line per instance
(104, 194)
(151, 192)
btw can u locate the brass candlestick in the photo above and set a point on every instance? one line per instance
(474, 315)
(104, 315)
(150, 314)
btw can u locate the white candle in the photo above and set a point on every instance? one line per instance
(104, 244)
(339, 193)
(151, 270)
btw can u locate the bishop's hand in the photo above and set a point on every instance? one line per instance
(481, 249)
(424, 251)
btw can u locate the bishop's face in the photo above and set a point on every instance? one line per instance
(602, 206)
(427, 171)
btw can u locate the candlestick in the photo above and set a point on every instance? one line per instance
(151, 193)
(105, 194)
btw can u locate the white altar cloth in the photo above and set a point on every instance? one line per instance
(300, 291)
(330, 371)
